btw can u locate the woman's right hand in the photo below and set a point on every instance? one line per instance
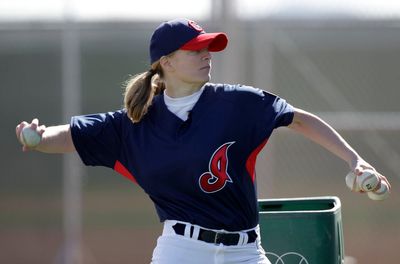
(34, 125)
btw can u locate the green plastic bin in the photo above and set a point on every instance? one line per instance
(302, 230)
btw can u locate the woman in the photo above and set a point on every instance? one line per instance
(192, 146)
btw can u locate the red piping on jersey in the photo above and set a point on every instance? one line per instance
(118, 167)
(251, 161)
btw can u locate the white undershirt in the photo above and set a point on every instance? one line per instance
(181, 106)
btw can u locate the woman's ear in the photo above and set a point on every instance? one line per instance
(165, 64)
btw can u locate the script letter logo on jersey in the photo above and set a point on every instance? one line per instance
(216, 178)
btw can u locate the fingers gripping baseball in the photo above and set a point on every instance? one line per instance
(365, 179)
(360, 165)
(29, 134)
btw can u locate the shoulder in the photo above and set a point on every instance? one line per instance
(93, 121)
(229, 89)
(240, 92)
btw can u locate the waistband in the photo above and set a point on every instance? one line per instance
(243, 237)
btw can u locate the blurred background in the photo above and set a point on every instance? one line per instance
(339, 59)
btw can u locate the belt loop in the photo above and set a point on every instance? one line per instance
(245, 237)
(216, 237)
(196, 232)
(187, 230)
(241, 239)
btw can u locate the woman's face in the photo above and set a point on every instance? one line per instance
(192, 67)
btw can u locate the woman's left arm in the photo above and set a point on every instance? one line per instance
(317, 130)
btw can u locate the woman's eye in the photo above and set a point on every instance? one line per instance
(194, 52)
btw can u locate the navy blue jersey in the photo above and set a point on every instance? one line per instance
(201, 170)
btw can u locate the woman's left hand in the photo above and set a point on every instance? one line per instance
(358, 166)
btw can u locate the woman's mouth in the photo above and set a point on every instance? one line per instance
(205, 68)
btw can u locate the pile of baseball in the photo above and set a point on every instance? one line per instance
(368, 182)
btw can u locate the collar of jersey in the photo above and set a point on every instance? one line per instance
(171, 124)
(182, 101)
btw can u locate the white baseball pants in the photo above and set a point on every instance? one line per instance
(176, 249)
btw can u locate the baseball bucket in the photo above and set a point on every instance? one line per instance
(302, 230)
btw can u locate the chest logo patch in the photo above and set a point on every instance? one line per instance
(216, 178)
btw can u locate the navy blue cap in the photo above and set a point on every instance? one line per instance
(183, 34)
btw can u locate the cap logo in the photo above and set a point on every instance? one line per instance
(195, 26)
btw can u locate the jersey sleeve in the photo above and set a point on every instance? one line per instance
(269, 109)
(277, 109)
(97, 138)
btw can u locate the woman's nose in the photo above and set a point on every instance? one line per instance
(206, 55)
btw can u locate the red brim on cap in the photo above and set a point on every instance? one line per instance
(213, 41)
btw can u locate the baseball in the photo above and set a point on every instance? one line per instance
(351, 182)
(381, 193)
(368, 180)
(30, 137)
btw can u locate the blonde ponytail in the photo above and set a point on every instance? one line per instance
(139, 92)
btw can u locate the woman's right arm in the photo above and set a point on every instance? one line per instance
(55, 139)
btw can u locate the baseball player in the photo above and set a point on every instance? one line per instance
(192, 146)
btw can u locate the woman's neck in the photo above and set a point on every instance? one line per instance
(176, 91)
